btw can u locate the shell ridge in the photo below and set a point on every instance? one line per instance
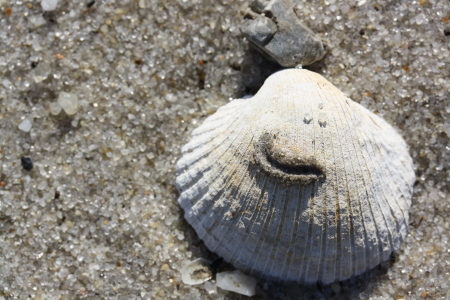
(278, 237)
(188, 195)
(199, 208)
(307, 228)
(367, 214)
(203, 170)
(374, 216)
(241, 170)
(210, 134)
(335, 261)
(390, 219)
(325, 226)
(304, 268)
(404, 224)
(400, 210)
(218, 173)
(197, 134)
(291, 251)
(272, 251)
(348, 247)
(212, 148)
(321, 202)
(251, 223)
(338, 245)
(394, 145)
(287, 269)
(203, 173)
(225, 234)
(354, 207)
(382, 201)
(395, 215)
(304, 211)
(190, 152)
(270, 208)
(259, 209)
(406, 185)
(321, 263)
(214, 121)
(196, 200)
(378, 219)
(194, 216)
(221, 115)
(349, 265)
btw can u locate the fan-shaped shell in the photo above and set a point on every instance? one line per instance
(297, 183)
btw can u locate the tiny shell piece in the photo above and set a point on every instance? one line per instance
(288, 191)
(237, 282)
(196, 271)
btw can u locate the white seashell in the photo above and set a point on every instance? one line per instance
(297, 183)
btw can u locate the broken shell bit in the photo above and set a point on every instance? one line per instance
(288, 199)
(274, 29)
(196, 272)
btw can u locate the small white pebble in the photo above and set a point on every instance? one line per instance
(237, 282)
(49, 5)
(68, 102)
(361, 3)
(7, 84)
(37, 21)
(41, 72)
(55, 108)
(25, 125)
(42, 185)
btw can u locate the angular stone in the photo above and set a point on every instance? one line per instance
(280, 35)
(262, 29)
(25, 125)
(68, 102)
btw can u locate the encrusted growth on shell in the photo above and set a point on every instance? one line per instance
(284, 164)
(297, 183)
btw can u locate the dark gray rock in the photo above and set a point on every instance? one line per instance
(274, 29)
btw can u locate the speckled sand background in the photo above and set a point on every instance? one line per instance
(146, 73)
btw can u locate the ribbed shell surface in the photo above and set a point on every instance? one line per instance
(246, 191)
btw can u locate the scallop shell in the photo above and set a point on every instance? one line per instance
(298, 183)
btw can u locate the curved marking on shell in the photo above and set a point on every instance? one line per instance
(288, 168)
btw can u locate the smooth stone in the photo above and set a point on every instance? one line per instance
(236, 281)
(49, 5)
(25, 125)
